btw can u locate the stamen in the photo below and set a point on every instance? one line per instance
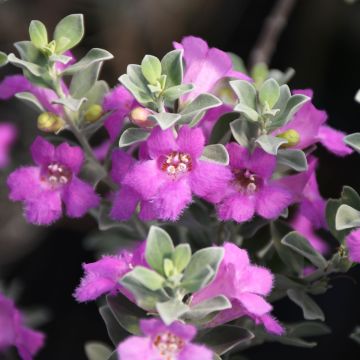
(176, 163)
(246, 182)
(168, 345)
(57, 174)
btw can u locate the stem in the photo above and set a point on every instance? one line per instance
(270, 33)
(81, 138)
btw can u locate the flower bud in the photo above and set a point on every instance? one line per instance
(93, 113)
(139, 117)
(292, 136)
(49, 122)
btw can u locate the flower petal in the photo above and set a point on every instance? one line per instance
(262, 163)
(333, 140)
(272, 200)
(124, 203)
(137, 348)
(237, 207)
(193, 351)
(353, 244)
(42, 152)
(254, 304)
(121, 164)
(161, 142)
(79, 197)
(70, 156)
(191, 141)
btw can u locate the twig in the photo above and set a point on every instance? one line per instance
(271, 31)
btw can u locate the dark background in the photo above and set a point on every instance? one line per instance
(321, 41)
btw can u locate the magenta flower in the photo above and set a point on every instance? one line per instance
(205, 66)
(119, 102)
(174, 173)
(245, 285)
(43, 188)
(13, 332)
(7, 138)
(101, 277)
(353, 244)
(250, 189)
(161, 342)
(310, 124)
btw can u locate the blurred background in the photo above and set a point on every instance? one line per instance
(321, 42)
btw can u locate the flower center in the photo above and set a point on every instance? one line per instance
(57, 174)
(168, 345)
(176, 163)
(246, 182)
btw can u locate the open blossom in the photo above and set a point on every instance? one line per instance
(13, 332)
(7, 138)
(310, 124)
(119, 102)
(205, 66)
(43, 188)
(102, 277)
(174, 172)
(161, 342)
(353, 244)
(245, 285)
(250, 189)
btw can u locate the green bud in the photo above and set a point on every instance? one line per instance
(49, 49)
(49, 122)
(292, 136)
(93, 113)
(139, 117)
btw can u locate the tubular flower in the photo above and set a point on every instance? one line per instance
(205, 66)
(309, 123)
(174, 172)
(250, 189)
(245, 285)
(43, 188)
(13, 332)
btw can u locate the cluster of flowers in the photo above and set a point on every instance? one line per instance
(165, 169)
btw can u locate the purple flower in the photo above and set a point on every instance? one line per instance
(13, 332)
(161, 342)
(205, 66)
(120, 102)
(174, 172)
(250, 189)
(309, 123)
(54, 180)
(14, 84)
(353, 244)
(101, 277)
(245, 285)
(7, 138)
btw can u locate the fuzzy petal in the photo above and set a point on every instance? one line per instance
(70, 156)
(262, 163)
(172, 199)
(79, 197)
(254, 304)
(121, 164)
(191, 141)
(237, 207)
(24, 183)
(7, 137)
(272, 325)
(193, 351)
(210, 181)
(257, 280)
(42, 152)
(272, 200)
(146, 178)
(124, 204)
(161, 142)
(44, 209)
(137, 348)
(239, 155)
(333, 140)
